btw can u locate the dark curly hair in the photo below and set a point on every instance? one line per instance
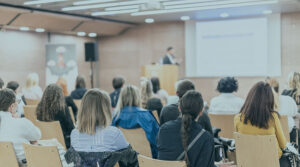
(228, 85)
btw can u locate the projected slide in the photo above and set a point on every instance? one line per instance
(232, 47)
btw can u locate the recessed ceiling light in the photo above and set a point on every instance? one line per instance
(82, 34)
(185, 18)
(149, 20)
(41, 2)
(24, 28)
(40, 30)
(267, 12)
(224, 15)
(92, 34)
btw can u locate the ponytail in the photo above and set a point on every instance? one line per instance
(186, 127)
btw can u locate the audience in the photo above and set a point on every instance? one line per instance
(117, 83)
(294, 87)
(14, 129)
(32, 89)
(80, 88)
(131, 116)
(258, 117)
(183, 138)
(158, 92)
(52, 107)
(68, 99)
(226, 102)
(171, 112)
(1, 83)
(154, 104)
(146, 91)
(13, 85)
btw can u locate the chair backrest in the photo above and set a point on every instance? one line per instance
(72, 115)
(156, 116)
(8, 155)
(78, 103)
(45, 156)
(51, 130)
(32, 102)
(223, 122)
(149, 162)
(256, 150)
(30, 113)
(137, 139)
(285, 126)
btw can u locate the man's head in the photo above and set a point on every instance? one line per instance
(13, 85)
(8, 100)
(118, 82)
(1, 83)
(184, 86)
(171, 50)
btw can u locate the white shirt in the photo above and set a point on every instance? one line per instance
(34, 93)
(226, 103)
(162, 95)
(17, 131)
(21, 105)
(288, 107)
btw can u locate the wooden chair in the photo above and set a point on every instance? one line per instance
(285, 126)
(32, 102)
(223, 122)
(149, 162)
(30, 113)
(72, 115)
(51, 130)
(156, 116)
(45, 156)
(8, 155)
(256, 150)
(78, 103)
(137, 139)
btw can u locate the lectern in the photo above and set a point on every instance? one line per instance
(167, 74)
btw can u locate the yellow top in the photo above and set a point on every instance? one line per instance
(274, 129)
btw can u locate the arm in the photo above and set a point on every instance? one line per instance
(71, 103)
(120, 141)
(279, 132)
(30, 131)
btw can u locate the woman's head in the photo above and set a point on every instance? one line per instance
(129, 96)
(146, 91)
(183, 86)
(63, 84)
(32, 80)
(155, 84)
(259, 105)
(118, 82)
(294, 80)
(275, 89)
(95, 111)
(191, 105)
(80, 83)
(52, 102)
(227, 85)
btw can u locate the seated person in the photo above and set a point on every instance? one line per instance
(52, 107)
(176, 136)
(79, 88)
(146, 91)
(32, 90)
(154, 104)
(226, 102)
(258, 117)
(117, 83)
(131, 116)
(14, 129)
(158, 92)
(294, 87)
(13, 85)
(171, 112)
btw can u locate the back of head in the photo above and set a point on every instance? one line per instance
(227, 85)
(13, 85)
(146, 91)
(1, 83)
(32, 80)
(155, 84)
(170, 48)
(52, 102)
(154, 104)
(184, 86)
(129, 96)
(63, 84)
(259, 105)
(95, 111)
(294, 80)
(191, 104)
(118, 82)
(7, 98)
(80, 83)
(273, 83)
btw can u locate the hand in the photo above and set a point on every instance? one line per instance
(15, 115)
(33, 142)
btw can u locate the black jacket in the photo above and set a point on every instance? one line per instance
(78, 93)
(169, 144)
(70, 103)
(126, 157)
(114, 96)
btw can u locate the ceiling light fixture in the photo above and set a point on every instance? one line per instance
(91, 2)
(224, 15)
(41, 2)
(122, 7)
(24, 28)
(185, 18)
(92, 34)
(149, 20)
(39, 30)
(267, 12)
(107, 13)
(81, 34)
(199, 8)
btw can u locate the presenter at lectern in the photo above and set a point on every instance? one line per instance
(169, 58)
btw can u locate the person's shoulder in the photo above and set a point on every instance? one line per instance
(287, 99)
(170, 125)
(275, 115)
(237, 117)
(170, 106)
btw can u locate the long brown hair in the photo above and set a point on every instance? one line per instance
(191, 104)
(52, 102)
(259, 105)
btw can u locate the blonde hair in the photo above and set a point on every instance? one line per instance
(32, 80)
(294, 83)
(129, 96)
(146, 91)
(275, 90)
(63, 84)
(95, 111)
